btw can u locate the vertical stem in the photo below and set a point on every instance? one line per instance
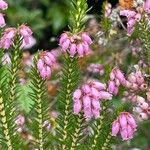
(68, 96)
(5, 125)
(99, 124)
(16, 61)
(77, 133)
(106, 143)
(39, 115)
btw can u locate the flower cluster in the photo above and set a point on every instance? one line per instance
(3, 6)
(88, 98)
(9, 35)
(135, 81)
(117, 78)
(125, 124)
(132, 18)
(135, 16)
(45, 64)
(75, 44)
(96, 68)
(142, 108)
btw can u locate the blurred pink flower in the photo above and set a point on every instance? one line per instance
(3, 5)
(2, 20)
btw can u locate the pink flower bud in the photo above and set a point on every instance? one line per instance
(99, 85)
(80, 50)
(123, 120)
(65, 45)
(86, 48)
(51, 57)
(144, 105)
(10, 33)
(77, 107)
(128, 84)
(130, 132)
(87, 107)
(86, 89)
(124, 134)
(72, 50)
(138, 17)
(130, 30)
(47, 60)
(87, 102)
(40, 64)
(105, 95)
(112, 76)
(63, 38)
(111, 87)
(95, 93)
(134, 86)
(143, 116)
(2, 21)
(48, 72)
(43, 73)
(119, 75)
(117, 82)
(25, 31)
(147, 6)
(85, 37)
(131, 121)
(140, 99)
(96, 104)
(115, 128)
(131, 23)
(77, 94)
(3, 5)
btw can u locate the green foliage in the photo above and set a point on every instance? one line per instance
(39, 14)
(78, 12)
(24, 100)
(106, 23)
(143, 31)
(40, 113)
(66, 120)
(9, 139)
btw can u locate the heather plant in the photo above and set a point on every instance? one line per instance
(91, 112)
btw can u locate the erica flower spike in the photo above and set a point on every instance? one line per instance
(45, 64)
(125, 124)
(75, 44)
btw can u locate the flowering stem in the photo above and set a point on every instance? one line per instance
(16, 62)
(106, 143)
(78, 132)
(40, 113)
(144, 36)
(69, 83)
(99, 124)
(5, 125)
